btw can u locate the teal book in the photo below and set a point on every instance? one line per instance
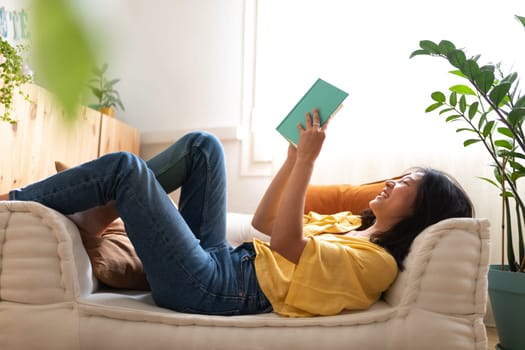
(325, 97)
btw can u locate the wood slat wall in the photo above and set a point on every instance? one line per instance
(42, 135)
(117, 136)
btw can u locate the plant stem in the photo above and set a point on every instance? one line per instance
(503, 222)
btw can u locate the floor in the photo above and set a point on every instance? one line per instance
(492, 335)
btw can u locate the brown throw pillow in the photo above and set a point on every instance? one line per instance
(113, 258)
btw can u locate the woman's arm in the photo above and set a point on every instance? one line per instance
(265, 214)
(283, 204)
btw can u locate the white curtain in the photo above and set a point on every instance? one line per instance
(363, 48)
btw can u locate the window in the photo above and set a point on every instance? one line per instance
(364, 48)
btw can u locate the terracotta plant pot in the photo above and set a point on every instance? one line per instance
(110, 112)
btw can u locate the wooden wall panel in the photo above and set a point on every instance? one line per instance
(118, 136)
(42, 136)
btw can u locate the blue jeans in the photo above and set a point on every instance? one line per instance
(189, 264)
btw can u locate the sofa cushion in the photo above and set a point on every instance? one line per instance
(42, 260)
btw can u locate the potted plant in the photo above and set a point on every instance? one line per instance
(108, 98)
(491, 111)
(12, 76)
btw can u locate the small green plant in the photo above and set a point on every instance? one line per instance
(12, 76)
(104, 89)
(491, 110)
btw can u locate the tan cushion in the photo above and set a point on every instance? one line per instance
(114, 260)
(59, 166)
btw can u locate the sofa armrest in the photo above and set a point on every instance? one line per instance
(446, 269)
(239, 229)
(42, 258)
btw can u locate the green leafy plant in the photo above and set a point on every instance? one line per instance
(12, 76)
(491, 111)
(104, 89)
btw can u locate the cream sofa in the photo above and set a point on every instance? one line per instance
(50, 300)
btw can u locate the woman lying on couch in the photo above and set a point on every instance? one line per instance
(188, 262)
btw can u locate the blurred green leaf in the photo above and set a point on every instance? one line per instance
(513, 154)
(62, 51)
(465, 129)
(445, 47)
(458, 73)
(438, 96)
(484, 80)
(503, 143)
(429, 46)
(419, 52)
(112, 82)
(472, 110)
(490, 181)
(520, 102)
(470, 142)
(505, 131)
(451, 118)
(457, 58)
(487, 129)
(433, 107)
(446, 110)
(519, 170)
(470, 68)
(97, 92)
(498, 93)
(488, 67)
(463, 90)
(521, 19)
(509, 79)
(453, 99)
(516, 116)
(462, 104)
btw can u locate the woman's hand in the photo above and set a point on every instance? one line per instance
(311, 138)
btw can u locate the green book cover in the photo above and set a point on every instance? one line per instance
(323, 96)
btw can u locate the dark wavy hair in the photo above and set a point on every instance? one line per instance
(439, 197)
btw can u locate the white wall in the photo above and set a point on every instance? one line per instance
(180, 61)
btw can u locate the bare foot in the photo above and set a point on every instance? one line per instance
(4, 197)
(93, 221)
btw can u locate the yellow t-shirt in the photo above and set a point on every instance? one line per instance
(334, 273)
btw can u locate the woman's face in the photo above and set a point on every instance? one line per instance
(396, 201)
